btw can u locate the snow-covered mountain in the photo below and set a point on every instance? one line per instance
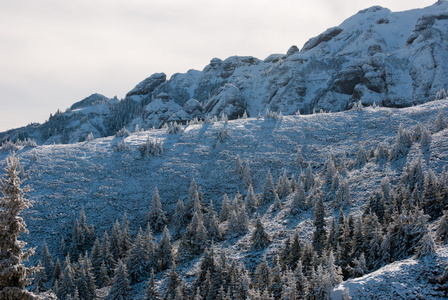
(393, 59)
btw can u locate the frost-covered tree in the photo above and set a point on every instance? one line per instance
(343, 197)
(442, 228)
(156, 216)
(320, 232)
(85, 280)
(403, 141)
(308, 180)
(136, 259)
(212, 224)
(440, 122)
(47, 261)
(14, 275)
(83, 236)
(361, 157)
(251, 201)
(268, 193)
(120, 286)
(224, 214)
(298, 201)
(66, 284)
(151, 292)
(194, 240)
(173, 281)
(105, 254)
(40, 279)
(180, 220)
(283, 186)
(260, 238)
(262, 275)
(165, 250)
(359, 267)
(426, 246)
(247, 175)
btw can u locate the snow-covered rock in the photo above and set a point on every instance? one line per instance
(228, 100)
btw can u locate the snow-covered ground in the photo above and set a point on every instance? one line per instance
(107, 183)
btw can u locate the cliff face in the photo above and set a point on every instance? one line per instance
(393, 59)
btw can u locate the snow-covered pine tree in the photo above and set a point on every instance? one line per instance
(260, 238)
(165, 250)
(66, 284)
(247, 175)
(156, 216)
(308, 180)
(440, 123)
(14, 275)
(426, 246)
(103, 278)
(224, 213)
(150, 247)
(320, 232)
(115, 241)
(57, 271)
(173, 281)
(359, 267)
(262, 275)
(298, 201)
(442, 228)
(361, 157)
(179, 218)
(283, 186)
(120, 286)
(85, 280)
(194, 240)
(403, 141)
(125, 238)
(251, 201)
(47, 261)
(40, 279)
(268, 193)
(83, 236)
(106, 255)
(212, 224)
(151, 292)
(136, 259)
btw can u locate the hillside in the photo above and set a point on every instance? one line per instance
(106, 183)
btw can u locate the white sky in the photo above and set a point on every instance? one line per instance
(54, 53)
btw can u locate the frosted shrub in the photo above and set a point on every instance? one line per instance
(90, 137)
(151, 148)
(123, 132)
(9, 146)
(442, 94)
(122, 147)
(273, 115)
(175, 128)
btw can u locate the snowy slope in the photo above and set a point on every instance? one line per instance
(107, 183)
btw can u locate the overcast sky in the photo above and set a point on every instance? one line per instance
(56, 52)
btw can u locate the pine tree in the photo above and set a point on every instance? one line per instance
(151, 292)
(343, 197)
(277, 206)
(136, 259)
(14, 275)
(103, 278)
(262, 275)
(275, 286)
(83, 236)
(57, 271)
(156, 216)
(247, 177)
(320, 233)
(125, 238)
(172, 282)
(299, 160)
(308, 181)
(268, 193)
(115, 241)
(212, 224)
(251, 201)
(426, 246)
(359, 267)
(361, 157)
(334, 272)
(283, 186)
(165, 250)
(149, 244)
(224, 214)
(298, 201)
(194, 240)
(442, 228)
(403, 141)
(66, 284)
(260, 238)
(47, 261)
(40, 279)
(120, 286)
(106, 255)
(85, 280)
(179, 218)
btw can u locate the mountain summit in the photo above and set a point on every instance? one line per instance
(392, 59)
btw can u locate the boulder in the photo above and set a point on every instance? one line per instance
(323, 37)
(228, 100)
(148, 85)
